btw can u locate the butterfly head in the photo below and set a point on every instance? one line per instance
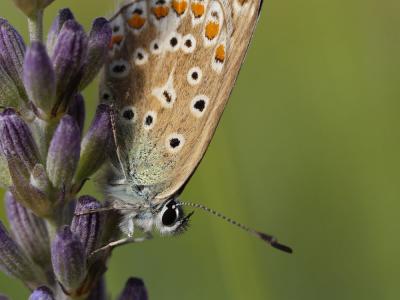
(171, 219)
(139, 203)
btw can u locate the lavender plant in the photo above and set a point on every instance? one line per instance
(45, 158)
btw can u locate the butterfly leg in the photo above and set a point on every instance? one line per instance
(123, 241)
(93, 211)
(127, 226)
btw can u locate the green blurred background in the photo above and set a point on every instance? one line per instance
(308, 149)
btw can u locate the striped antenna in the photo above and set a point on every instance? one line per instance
(269, 239)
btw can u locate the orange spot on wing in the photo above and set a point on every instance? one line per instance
(136, 21)
(212, 30)
(179, 7)
(116, 39)
(160, 11)
(198, 10)
(220, 54)
(242, 2)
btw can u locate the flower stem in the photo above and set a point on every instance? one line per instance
(35, 24)
(51, 228)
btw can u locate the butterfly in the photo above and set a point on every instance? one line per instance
(171, 69)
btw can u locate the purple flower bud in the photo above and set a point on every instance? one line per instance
(63, 155)
(39, 77)
(15, 263)
(21, 154)
(9, 95)
(99, 39)
(12, 52)
(29, 231)
(42, 293)
(16, 140)
(99, 291)
(2, 297)
(63, 16)
(77, 110)
(87, 227)
(68, 58)
(27, 194)
(134, 290)
(98, 137)
(69, 260)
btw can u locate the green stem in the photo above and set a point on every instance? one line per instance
(35, 24)
(52, 228)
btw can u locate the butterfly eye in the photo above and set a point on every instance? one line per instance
(169, 217)
(194, 76)
(128, 114)
(119, 68)
(171, 214)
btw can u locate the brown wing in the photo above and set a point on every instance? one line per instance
(171, 70)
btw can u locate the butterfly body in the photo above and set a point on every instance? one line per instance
(171, 70)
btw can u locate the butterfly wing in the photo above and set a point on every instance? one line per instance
(172, 66)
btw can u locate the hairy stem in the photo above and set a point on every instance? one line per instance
(35, 24)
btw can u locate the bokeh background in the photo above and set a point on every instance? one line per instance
(308, 149)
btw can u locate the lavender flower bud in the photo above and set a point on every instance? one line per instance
(29, 231)
(42, 293)
(99, 39)
(39, 77)
(68, 58)
(12, 52)
(63, 155)
(134, 290)
(15, 263)
(9, 95)
(88, 226)
(16, 140)
(30, 7)
(27, 194)
(22, 156)
(99, 291)
(69, 260)
(2, 297)
(63, 16)
(98, 137)
(77, 110)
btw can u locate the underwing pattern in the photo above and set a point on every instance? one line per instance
(172, 66)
